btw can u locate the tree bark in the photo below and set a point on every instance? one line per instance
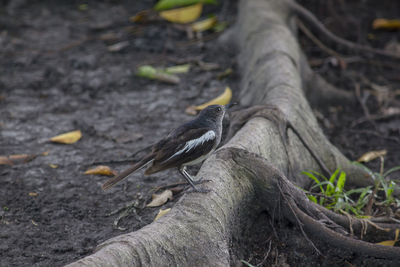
(272, 142)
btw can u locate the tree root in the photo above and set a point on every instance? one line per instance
(342, 43)
(298, 209)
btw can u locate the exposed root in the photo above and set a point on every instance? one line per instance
(275, 115)
(307, 214)
(345, 44)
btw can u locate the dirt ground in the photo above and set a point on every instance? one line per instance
(58, 75)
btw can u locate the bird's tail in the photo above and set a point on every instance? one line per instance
(111, 182)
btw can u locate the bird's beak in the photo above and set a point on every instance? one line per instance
(228, 106)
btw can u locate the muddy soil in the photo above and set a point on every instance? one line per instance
(58, 75)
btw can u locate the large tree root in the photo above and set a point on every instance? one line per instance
(298, 209)
(248, 175)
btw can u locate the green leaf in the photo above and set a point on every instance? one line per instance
(390, 190)
(320, 175)
(178, 69)
(315, 179)
(167, 4)
(340, 182)
(149, 72)
(330, 189)
(247, 264)
(312, 198)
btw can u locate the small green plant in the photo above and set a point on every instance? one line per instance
(358, 201)
(332, 194)
(383, 188)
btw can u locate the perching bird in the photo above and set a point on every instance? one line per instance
(189, 144)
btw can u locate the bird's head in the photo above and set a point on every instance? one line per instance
(214, 112)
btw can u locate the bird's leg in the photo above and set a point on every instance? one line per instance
(188, 178)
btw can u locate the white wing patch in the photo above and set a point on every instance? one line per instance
(210, 135)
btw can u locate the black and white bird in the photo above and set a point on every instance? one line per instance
(189, 144)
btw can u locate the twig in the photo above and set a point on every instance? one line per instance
(362, 103)
(316, 41)
(374, 118)
(354, 47)
(266, 255)
(397, 140)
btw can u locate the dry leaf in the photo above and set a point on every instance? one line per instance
(141, 16)
(16, 159)
(54, 166)
(161, 213)
(67, 138)
(371, 155)
(223, 99)
(390, 111)
(118, 46)
(101, 170)
(204, 25)
(183, 14)
(208, 66)
(160, 199)
(33, 194)
(34, 223)
(391, 242)
(5, 161)
(386, 24)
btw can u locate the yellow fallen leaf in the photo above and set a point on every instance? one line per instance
(371, 155)
(101, 170)
(5, 161)
(33, 194)
(54, 166)
(222, 99)
(15, 159)
(161, 213)
(204, 25)
(67, 138)
(19, 157)
(391, 243)
(386, 24)
(160, 199)
(183, 14)
(34, 223)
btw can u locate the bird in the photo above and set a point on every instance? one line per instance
(189, 144)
